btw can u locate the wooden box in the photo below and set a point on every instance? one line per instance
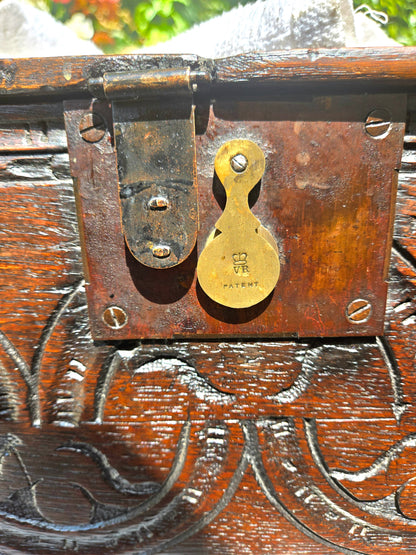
(137, 413)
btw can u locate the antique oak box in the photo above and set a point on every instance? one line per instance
(207, 304)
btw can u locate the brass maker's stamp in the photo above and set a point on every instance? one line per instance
(239, 266)
(240, 263)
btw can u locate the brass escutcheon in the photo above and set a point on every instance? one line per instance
(239, 266)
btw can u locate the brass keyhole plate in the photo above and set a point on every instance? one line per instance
(239, 266)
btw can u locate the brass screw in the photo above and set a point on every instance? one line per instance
(378, 124)
(115, 317)
(239, 163)
(92, 127)
(359, 311)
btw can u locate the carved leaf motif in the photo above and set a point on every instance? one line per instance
(22, 505)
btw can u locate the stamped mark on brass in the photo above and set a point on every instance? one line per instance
(240, 263)
(239, 266)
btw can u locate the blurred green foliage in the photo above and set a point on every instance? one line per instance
(402, 18)
(159, 20)
(120, 25)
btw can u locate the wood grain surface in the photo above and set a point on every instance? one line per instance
(367, 68)
(261, 445)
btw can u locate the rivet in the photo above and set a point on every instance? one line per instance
(115, 317)
(158, 203)
(239, 163)
(378, 124)
(359, 311)
(92, 127)
(161, 251)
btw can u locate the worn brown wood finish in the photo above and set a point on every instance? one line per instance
(221, 446)
(368, 67)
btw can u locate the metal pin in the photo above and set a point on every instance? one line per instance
(161, 251)
(158, 203)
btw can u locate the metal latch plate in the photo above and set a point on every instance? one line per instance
(327, 196)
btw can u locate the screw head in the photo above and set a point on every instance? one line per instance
(92, 127)
(359, 311)
(114, 317)
(239, 163)
(378, 124)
